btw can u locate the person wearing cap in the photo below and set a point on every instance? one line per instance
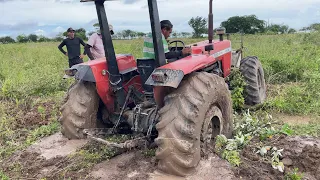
(94, 47)
(73, 48)
(166, 29)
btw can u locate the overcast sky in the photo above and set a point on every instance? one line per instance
(49, 17)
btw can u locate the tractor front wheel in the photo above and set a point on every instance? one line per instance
(252, 71)
(79, 110)
(192, 116)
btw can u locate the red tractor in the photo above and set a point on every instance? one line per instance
(182, 106)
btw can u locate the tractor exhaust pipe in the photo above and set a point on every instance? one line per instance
(210, 23)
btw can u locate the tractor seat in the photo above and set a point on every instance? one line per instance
(145, 69)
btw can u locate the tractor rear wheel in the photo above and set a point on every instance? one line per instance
(251, 69)
(79, 110)
(192, 116)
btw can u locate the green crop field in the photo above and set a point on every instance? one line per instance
(32, 88)
(291, 64)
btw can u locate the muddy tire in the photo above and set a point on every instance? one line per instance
(79, 110)
(193, 114)
(251, 69)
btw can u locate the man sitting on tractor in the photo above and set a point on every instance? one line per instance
(166, 29)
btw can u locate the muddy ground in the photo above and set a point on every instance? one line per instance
(52, 158)
(56, 157)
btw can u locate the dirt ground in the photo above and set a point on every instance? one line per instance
(299, 152)
(51, 156)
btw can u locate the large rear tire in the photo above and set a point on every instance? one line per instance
(79, 110)
(192, 116)
(252, 71)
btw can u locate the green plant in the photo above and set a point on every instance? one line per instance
(42, 131)
(294, 175)
(42, 111)
(3, 176)
(149, 152)
(275, 160)
(237, 86)
(233, 157)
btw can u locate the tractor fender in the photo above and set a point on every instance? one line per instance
(170, 75)
(83, 72)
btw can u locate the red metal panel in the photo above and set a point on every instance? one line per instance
(201, 59)
(125, 63)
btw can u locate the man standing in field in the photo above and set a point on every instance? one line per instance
(166, 29)
(73, 48)
(94, 47)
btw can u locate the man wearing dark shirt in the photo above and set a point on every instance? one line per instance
(73, 48)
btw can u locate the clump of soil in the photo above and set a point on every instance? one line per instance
(299, 152)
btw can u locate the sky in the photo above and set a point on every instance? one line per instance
(50, 17)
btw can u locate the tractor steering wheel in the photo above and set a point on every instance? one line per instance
(176, 41)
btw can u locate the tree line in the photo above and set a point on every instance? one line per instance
(248, 24)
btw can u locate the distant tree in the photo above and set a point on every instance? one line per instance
(6, 40)
(81, 33)
(175, 34)
(284, 29)
(90, 33)
(248, 24)
(43, 39)
(292, 31)
(185, 34)
(127, 33)
(278, 28)
(22, 38)
(315, 27)
(33, 38)
(141, 34)
(199, 26)
(133, 34)
(96, 26)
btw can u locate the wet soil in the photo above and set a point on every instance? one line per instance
(41, 159)
(299, 152)
(51, 158)
(136, 166)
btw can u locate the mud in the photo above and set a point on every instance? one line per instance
(56, 145)
(41, 159)
(134, 166)
(299, 152)
(129, 166)
(50, 158)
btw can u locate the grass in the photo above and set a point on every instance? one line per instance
(310, 129)
(21, 124)
(3, 176)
